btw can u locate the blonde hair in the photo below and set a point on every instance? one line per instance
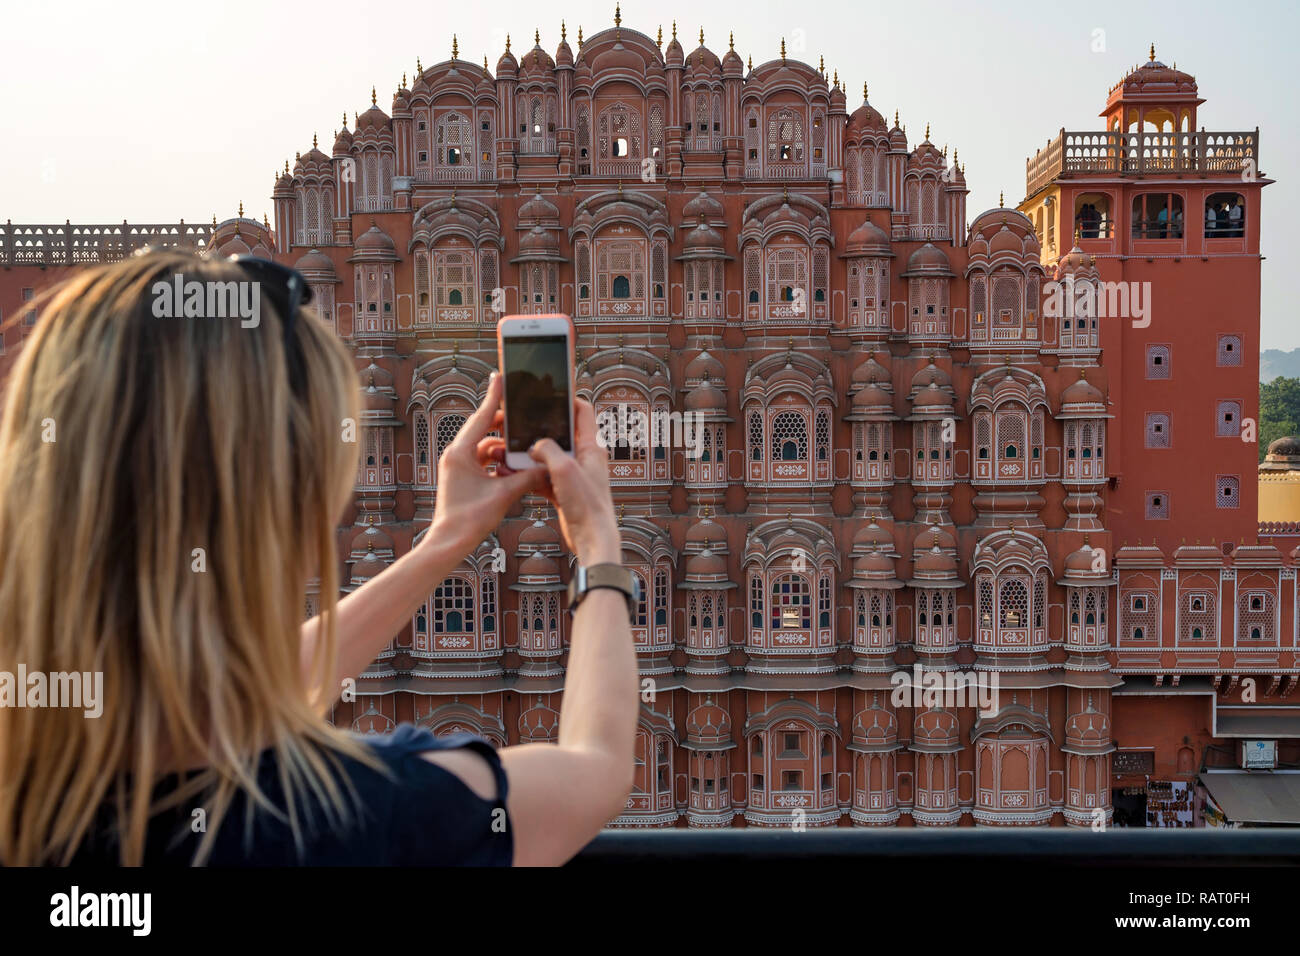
(169, 435)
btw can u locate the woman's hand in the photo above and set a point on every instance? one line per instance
(578, 486)
(472, 501)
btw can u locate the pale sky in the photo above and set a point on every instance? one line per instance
(159, 111)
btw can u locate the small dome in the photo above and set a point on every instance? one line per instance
(866, 117)
(538, 239)
(704, 238)
(1076, 260)
(1005, 241)
(708, 722)
(875, 725)
(706, 530)
(706, 397)
(507, 65)
(706, 564)
(538, 565)
(873, 396)
(874, 565)
(873, 536)
(371, 539)
(934, 563)
(704, 366)
(537, 60)
(1288, 447)
(867, 239)
(1082, 392)
(538, 536)
(870, 371)
(673, 52)
(315, 263)
(931, 396)
(1082, 559)
(539, 207)
(931, 375)
(343, 142)
(928, 259)
(702, 205)
(732, 64)
(702, 60)
(373, 118)
(375, 240)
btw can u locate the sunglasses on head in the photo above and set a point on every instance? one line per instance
(287, 291)
(285, 287)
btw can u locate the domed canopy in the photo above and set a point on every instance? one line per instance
(706, 397)
(315, 263)
(867, 239)
(702, 205)
(866, 118)
(374, 244)
(703, 366)
(873, 537)
(538, 207)
(1082, 392)
(928, 260)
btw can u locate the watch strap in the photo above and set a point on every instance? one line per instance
(607, 575)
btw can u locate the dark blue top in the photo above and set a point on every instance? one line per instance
(419, 815)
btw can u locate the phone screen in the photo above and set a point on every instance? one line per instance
(537, 390)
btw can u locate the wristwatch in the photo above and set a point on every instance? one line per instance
(610, 575)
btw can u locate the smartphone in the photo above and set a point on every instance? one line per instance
(536, 359)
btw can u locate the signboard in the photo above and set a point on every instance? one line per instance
(1259, 754)
(1133, 761)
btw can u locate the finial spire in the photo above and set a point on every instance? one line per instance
(345, 119)
(618, 15)
(895, 118)
(674, 29)
(927, 132)
(782, 51)
(821, 64)
(731, 40)
(508, 41)
(419, 67)
(564, 33)
(241, 209)
(1001, 200)
(659, 37)
(751, 63)
(374, 100)
(537, 36)
(313, 140)
(1152, 56)
(403, 80)
(455, 48)
(864, 91)
(579, 37)
(701, 36)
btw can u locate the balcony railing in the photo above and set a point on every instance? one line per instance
(75, 244)
(1138, 154)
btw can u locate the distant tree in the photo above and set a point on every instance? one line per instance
(1279, 411)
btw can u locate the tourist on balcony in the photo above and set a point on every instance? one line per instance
(1211, 220)
(1221, 220)
(168, 486)
(1235, 229)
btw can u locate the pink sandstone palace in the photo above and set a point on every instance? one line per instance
(901, 455)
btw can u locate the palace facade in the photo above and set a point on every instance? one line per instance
(905, 450)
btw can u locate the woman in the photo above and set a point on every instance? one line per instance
(167, 488)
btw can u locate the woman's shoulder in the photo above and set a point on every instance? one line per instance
(445, 806)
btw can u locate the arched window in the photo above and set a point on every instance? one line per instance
(791, 602)
(453, 607)
(622, 287)
(1225, 216)
(789, 437)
